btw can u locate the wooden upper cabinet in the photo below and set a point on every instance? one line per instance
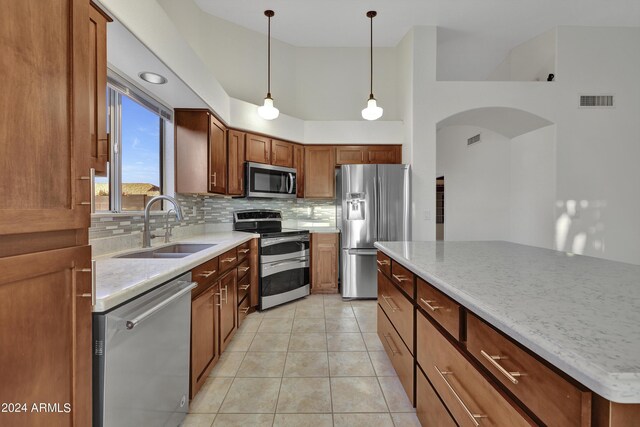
(350, 154)
(381, 154)
(99, 143)
(298, 164)
(236, 150)
(217, 156)
(281, 153)
(192, 151)
(44, 131)
(258, 149)
(319, 170)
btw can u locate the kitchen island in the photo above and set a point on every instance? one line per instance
(577, 317)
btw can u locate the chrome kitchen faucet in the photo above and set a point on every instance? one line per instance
(146, 234)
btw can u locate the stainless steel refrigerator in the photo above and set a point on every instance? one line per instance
(373, 204)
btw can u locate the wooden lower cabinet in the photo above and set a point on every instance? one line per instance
(398, 308)
(324, 263)
(228, 307)
(243, 310)
(204, 336)
(400, 356)
(429, 408)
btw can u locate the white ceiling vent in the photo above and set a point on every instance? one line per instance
(596, 101)
(473, 139)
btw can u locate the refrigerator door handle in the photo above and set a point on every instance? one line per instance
(376, 208)
(365, 252)
(380, 230)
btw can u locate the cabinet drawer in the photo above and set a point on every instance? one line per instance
(228, 260)
(443, 309)
(401, 358)
(204, 274)
(243, 269)
(403, 278)
(243, 310)
(244, 250)
(430, 410)
(552, 398)
(244, 286)
(397, 307)
(384, 263)
(469, 396)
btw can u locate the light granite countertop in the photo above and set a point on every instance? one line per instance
(579, 313)
(121, 279)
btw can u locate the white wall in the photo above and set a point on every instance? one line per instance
(533, 188)
(476, 182)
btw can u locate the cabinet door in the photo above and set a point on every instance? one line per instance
(235, 177)
(192, 148)
(298, 164)
(319, 169)
(350, 155)
(228, 309)
(281, 153)
(99, 144)
(258, 149)
(324, 262)
(217, 157)
(44, 150)
(204, 351)
(383, 154)
(45, 335)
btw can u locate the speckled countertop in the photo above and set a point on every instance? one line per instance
(579, 313)
(121, 279)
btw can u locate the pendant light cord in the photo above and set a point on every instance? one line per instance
(269, 60)
(371, 56)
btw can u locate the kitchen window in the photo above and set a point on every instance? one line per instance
(137, 127)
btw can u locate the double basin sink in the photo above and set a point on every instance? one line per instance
(178, 250)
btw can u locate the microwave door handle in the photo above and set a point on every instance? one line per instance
(290, 190)
(286, 184)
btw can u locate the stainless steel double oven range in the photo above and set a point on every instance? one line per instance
(284, 256)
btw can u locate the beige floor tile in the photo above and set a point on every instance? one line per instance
(350, 364)
(210, 396)
(311, 301)
(395, 395)
(372, 341)
(316, 312)
(382, 364)
(362, 420)
(228, 364)
(306, 364)
(338, 311)
(269, 342)
(364, 303)
(345, 342)
(286, 311)
(303, 420)
(342, 324)
(357, 394)
(198, 420)
(405, 420)
(267, 364)
(308, 342)
(304, 395)
(367, 323)
(243, 420)
(252, 395)
(304, 325)
(249, 325)
(276, 325)
(241, 342)
(363, 311)
(335, 300)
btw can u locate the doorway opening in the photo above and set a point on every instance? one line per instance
(440, 208)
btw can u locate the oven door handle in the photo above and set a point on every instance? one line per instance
(280, 266)
(275, 240)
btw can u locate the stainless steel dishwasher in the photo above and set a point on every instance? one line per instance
(141, 359)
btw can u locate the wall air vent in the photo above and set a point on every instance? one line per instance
(596, 101)
(473, 139)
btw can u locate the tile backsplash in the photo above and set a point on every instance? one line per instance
(201, 210)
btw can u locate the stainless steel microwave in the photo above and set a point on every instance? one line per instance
(270, 181)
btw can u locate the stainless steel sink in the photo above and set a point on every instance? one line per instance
(178, 250)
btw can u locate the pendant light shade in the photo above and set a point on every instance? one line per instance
(372, 112)
(267, 111)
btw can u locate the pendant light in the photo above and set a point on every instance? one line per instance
(268, 111)
(372, 112)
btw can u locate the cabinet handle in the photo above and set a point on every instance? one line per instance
(245, 287)
(244, 251)
(388, 339)
(207, 274)
(226, 294)
(245, 310)
(400, 278)
(383, 262)
(91, 270)
(243, 269)
(386, 299)
(229, 259)
(214, 178)
(92, 180)
(472, 416)
(219, 294)
(428, 304)
(493, 360)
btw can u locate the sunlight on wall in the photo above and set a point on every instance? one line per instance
(579, 226)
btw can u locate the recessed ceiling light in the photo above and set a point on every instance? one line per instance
(153, 78)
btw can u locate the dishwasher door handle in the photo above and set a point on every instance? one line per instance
(130, 324)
